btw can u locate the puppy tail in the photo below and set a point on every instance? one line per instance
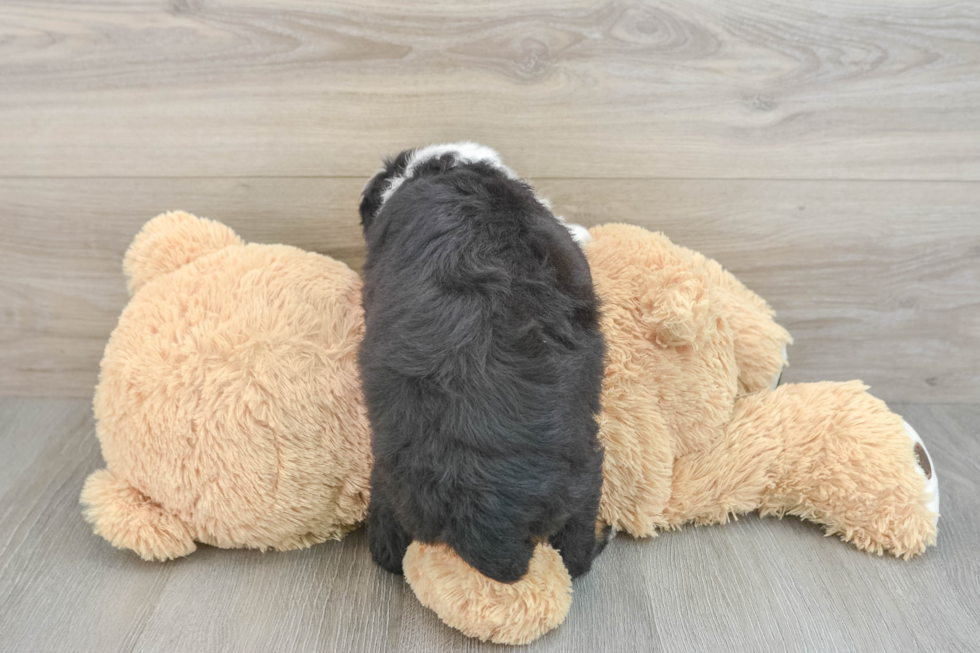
(128, 519)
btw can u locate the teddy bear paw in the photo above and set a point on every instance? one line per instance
(926, 469)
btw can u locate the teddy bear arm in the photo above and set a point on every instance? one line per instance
(503, 613)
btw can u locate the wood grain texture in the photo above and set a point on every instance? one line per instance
(754, 584)
(876, 280)
(686, 88)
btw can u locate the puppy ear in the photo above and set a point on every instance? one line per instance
(371, 198)
(170, 241)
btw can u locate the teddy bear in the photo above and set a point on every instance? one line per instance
(229, 412)
(229, 406)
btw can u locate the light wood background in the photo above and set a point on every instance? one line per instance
(827, 152)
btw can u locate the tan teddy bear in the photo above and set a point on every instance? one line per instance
(229, 410)
(229, 403)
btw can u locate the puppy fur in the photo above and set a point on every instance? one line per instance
(482, 365)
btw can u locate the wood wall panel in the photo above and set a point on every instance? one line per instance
(686, 88)
(875, 280)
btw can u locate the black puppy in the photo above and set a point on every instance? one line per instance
(482, 366)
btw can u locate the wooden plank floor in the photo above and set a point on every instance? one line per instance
(752, 585)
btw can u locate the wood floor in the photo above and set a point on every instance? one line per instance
(751, 585)
(827, 152)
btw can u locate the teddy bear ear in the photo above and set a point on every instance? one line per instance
(677, 308)
(170, 241)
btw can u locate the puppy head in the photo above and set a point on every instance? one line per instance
(410, 163)
(434, 159)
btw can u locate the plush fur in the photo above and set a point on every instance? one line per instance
(827, 452)
(514, 613)
(692, 432)
(482, 367)
(229, 404)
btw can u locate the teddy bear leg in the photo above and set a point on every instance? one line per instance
(852, 465)
(128, 519)
(827, 452)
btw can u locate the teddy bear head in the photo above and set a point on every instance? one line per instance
(228, 406)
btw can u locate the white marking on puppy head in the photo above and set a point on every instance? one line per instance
(579, 233)
(470, 152)
(464, 152)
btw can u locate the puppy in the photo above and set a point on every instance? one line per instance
(482, 364)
